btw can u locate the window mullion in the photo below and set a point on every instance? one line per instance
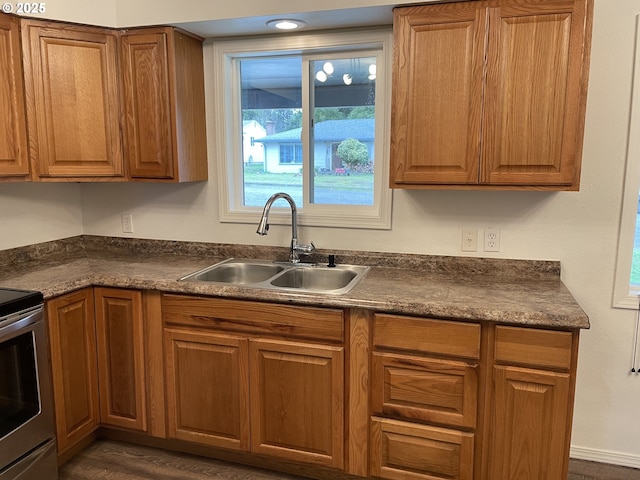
(307, 133)
(236, 181)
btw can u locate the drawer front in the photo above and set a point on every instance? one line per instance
(254, 317)
(431, 390)
(402, 451)
(425, 335)
(530, 346)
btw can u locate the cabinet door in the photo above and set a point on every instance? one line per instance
(207, 388)
(120, 340)
(14, 159)
(72, 100)
(530, 424)
(536, 93)
(297, 401)
(437, 94)
(163, 91)
(73, 364)
(148, 132)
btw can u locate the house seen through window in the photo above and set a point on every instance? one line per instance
(314, 124)
(342, 111)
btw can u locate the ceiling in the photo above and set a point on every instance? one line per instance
(321, 20)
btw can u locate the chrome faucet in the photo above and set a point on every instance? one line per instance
(263, 227)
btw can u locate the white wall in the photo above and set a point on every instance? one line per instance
(101, 13)
(579, 229)
(34, 213)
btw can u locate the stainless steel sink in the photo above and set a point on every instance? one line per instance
(315, 278)
(237, 272)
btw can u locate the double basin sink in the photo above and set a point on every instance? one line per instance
(316, 278)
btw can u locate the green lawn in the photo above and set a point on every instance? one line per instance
(253, 174)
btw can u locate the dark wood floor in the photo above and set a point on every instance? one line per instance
(109, 460)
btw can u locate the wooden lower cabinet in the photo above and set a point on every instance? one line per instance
(529, 427)
(403, 451)
(121, 362)
(233, 381)
(424, 397)
(373, 395)
(207, 388)
(272, 397)
(297, 401)
(97, 340)
(532, 405)
(464, 400)
(72, 336)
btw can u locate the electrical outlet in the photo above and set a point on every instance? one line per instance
(469, 239)
(127, 223)
(491, 239)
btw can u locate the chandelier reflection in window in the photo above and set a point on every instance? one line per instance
(346, 71)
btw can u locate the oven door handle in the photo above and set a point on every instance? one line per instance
(12, 325)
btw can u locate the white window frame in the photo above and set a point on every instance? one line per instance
(624, 295)
(229, 147)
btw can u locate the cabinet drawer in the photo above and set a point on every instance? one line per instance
(529, 346)
(254, 317)
(433, 390)
(402, 451)
(427, 335)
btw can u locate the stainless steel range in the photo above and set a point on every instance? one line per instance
(27, 442)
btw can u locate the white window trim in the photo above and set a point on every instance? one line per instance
(623, 295)
(226, 116)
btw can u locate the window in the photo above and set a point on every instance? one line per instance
(627, 279)
(307, 115)
(289, 155)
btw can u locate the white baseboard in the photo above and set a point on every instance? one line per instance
(603, 456)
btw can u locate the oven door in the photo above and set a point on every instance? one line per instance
(26, 417)
(40, 464)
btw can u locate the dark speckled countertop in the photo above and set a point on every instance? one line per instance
(524, 292)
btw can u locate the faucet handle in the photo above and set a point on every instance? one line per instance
(305, 249)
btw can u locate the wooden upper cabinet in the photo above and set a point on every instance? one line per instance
(14, 157)
(437, 94)
(163, 92)
(535, 93)
(72, 94)
(490, 94)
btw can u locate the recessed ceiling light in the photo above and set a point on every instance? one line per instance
(285, 24)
